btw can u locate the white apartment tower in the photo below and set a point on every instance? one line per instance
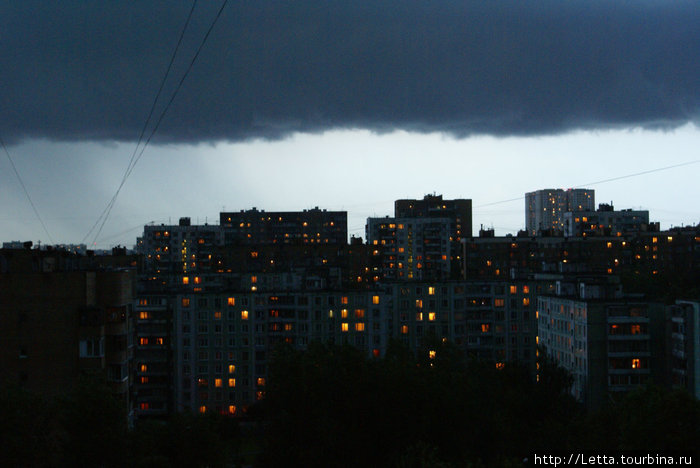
(544, 209)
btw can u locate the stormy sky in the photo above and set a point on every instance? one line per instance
(298, 90)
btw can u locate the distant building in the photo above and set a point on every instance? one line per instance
(313, 226)
(609, 343)
(458, 211)
(606, 222)
(544, 209)
(683, 349)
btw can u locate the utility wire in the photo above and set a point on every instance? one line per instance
(627, 176)
(145, 125)
(36, 212)
(165, 110)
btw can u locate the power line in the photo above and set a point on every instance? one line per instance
(165, 110)
(650, 171)
(36, 212)
(145, 125)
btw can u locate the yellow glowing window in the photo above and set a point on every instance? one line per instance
(231, 383)
(232, 409)
(375, 299)
(185, 302)
(669, 238)
(431, 290)
(231, 301)
(344, 327)
(609, 244)
(431, 316)
(330, 313)
(143, 367)
(202, 409)
(636, 364)
(431, 354)
(360, 326)
(197, 280)
(526, 301)
(261, 381)
(514, 289)
(404, 329)
(244, 315)
(419, 316)
(144, 315)
(185, 280)
(654, 240)
(218, 383)
(344, 300)
(344, 313)
(231, 368)
(359, 313)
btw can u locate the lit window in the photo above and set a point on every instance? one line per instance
(202, 409)
(514, 289)
(359, 313)
(197, 280)
(375, 299)
(185, 302)
(419, 303)
(419, 316)
(231, 368)
(499, 302)
(253, 279)
(185, 280)
(404, 329)
(244, 315)
(431, 316)
(218, 383)
(344, 313)
(144, 380)
(431, 290)
(287, 327)
(144, 315)
(636, 364)
(261, 381)
(526, 301)
(344, 300)
(635, 329)
(231, 383)
(159, 341)
(143, 341)
(431, 354)
(330, 313)
(485, 327)
(526, 289)
(217, 315)
(143, 406)
(344, 326)
(231, 301)
(360, 326)
(232, 409)
(143, 368)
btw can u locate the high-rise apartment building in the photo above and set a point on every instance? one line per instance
(458, 211)
(544, 209)
(606, 221)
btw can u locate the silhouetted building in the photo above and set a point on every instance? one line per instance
(313, 226)
(544, 209)
(606, 222)
(683, 345)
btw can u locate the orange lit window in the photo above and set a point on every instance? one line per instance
(231, 383)
(419, 316)
(185, 302)
(144, 315)
(159, 341)
(431, 354)
(202, 409)
(526, 289)
(143, 341)
(253, 279)
(431, 316)
(143, 406)
(185, 280)
(526, 301)
(635, 329)
(143, 368)
(259, 395)
(144, 380)
(244, 315)
(217, 315)
(431, 290)
(359, 326)
(344, 300)
(636, 364)
(359, 313)
(254, 254)
(375, 299)
(143, 301)
(419, 303)
(499, 302)
(261, 381)
(231, 301)
(287, 327)
(344, 327)
(201, 382)
(344, 313)
(218, 383)
(404, 329)
(485, 327)
(514, 289)
(197, 280)
(231, 368)
(232, 409)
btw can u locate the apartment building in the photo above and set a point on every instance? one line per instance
(544, 209)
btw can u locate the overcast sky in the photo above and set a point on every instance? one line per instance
(343, 105)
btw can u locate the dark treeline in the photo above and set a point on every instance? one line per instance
(333, 406)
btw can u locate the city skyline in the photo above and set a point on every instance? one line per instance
(345, 106)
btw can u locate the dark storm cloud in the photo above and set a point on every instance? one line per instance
(89, 70)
